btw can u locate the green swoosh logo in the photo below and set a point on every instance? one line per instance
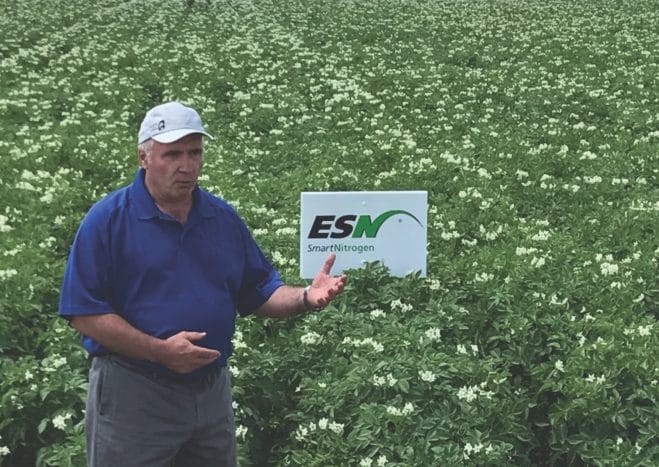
(370, 228)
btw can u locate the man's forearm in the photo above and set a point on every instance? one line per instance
(289, 301)
(116, 334)
(177, 352)
(285, 301)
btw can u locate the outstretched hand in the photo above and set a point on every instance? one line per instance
(324, 287)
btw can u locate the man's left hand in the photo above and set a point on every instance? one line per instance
(324, 287)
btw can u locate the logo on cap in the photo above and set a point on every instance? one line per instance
(161, 125)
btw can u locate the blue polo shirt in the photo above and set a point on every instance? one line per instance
(162, 277)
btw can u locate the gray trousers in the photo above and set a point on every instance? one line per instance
(135, 418)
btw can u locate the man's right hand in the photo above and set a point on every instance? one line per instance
(179, 354)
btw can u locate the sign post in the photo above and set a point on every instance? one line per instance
(359, 227)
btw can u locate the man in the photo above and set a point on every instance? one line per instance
(155, 277)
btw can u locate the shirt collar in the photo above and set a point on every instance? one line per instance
(145, 206)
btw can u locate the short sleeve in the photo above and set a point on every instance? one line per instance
(86, 283)
(259, 280)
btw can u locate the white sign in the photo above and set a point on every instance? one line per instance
(364, 226)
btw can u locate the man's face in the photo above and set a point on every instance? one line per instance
(172, 169)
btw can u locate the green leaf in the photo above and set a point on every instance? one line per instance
(42, 425)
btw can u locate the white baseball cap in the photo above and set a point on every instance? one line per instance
(170, 122)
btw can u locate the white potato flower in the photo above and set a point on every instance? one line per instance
(59, 421)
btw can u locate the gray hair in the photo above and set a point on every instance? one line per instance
(146, 147)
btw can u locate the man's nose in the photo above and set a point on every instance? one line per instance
(188, 163)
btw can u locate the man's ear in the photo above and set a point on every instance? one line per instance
(141, 158)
